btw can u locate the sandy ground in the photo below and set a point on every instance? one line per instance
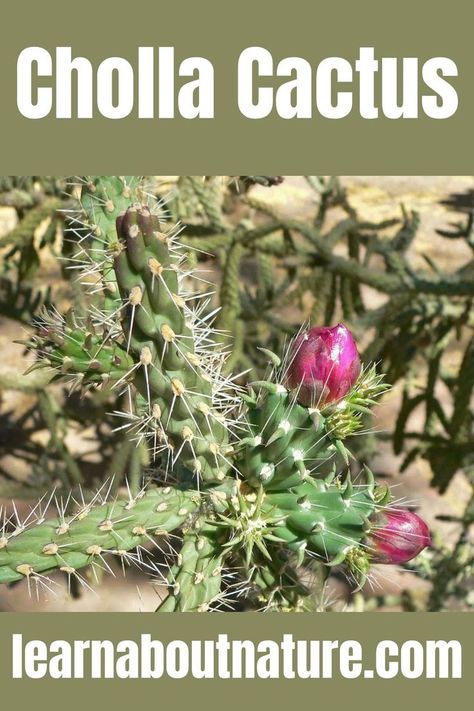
(375, 198)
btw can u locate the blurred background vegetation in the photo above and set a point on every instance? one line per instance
(392, 257)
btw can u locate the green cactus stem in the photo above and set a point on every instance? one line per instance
(103, 198)
(279, 585)
(95, 530)
(182, 391)
(291, 443)
(75, 347)
(325, 520)
(196, 579)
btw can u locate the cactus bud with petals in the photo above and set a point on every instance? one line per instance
(399, 536)
(324, 365)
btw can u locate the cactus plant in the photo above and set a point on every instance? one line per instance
(255, 480)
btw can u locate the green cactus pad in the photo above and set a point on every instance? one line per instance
(288, 441)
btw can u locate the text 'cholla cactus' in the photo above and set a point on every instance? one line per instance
(250, 478)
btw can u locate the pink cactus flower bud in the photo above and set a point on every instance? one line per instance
(398, 537)
(324, 365)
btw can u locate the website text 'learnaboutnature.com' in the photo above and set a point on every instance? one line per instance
(225, 658)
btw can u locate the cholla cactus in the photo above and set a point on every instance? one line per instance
(250, 478)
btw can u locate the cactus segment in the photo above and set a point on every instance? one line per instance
(271, 534)
(291, 443)
(278, 584)
(180, 387)
(103, 199)
(93, 532)
(326, 520)
(196, 579)
(81, 350)
(288, 443)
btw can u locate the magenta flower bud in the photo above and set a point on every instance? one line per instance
(398, 537)
(324, 365)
